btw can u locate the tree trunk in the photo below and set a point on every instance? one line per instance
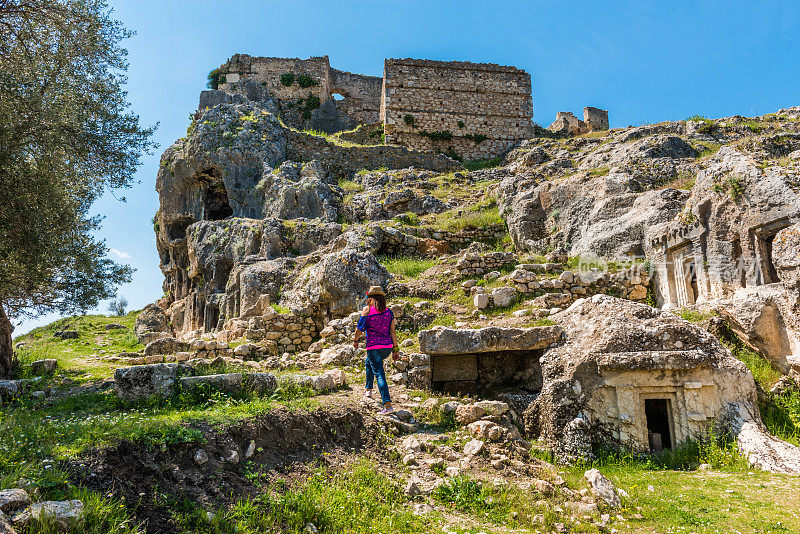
(6, 347)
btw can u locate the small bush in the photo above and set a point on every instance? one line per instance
(408, 218)
(444, 135)
(407, 266)
(287, 79)
(305, 81)
(215, 78)
(409, 119)
(601, 171)
(479, 164)
(461, 125)
(477, 138)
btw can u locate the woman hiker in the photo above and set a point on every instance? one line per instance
(379, 324)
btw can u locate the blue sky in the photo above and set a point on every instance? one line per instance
(644, 61)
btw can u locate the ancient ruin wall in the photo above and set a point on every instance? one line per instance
(362, 95)
(477, 110)
(268, 72)
(361, 101)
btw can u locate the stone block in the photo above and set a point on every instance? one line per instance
(454, 367)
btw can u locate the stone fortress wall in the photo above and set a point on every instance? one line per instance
(361, 94)
(470, 110)
(477, 110)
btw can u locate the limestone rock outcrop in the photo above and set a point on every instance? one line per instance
(152, 323)
(629, 372)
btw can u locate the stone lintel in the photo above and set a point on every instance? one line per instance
(489, 339)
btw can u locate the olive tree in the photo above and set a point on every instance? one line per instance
(67, 135)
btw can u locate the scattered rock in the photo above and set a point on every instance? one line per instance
(602, 488)
(44, 367)
(474, 447)
(200, 457)
(485, 430)
(65, 513)
(13, 499)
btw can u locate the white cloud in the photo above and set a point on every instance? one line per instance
(121, 254)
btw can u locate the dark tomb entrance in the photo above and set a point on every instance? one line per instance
(487, 373)
(659, 434)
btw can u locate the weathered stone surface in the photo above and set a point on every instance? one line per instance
(602, 488)
(470, 413)
(485, 430)
(65, 513)
(337, 283)
(489, 339)
(760, 448)
(474, 447)
(44, 367)
(13, 499)
(5, 525)
(263, 383)
(143, 381)
(165, 345)
(151, 324)
(230, 383)
(616, 354)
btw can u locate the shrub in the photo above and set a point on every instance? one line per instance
(305, 81)
(215, 77)
(444, 135)
(479, 164)
(409, 119)
(601, 171)
(461, 125)
(407, 266)
(287, 79)
(477, 138)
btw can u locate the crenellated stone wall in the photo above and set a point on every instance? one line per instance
(476, 110)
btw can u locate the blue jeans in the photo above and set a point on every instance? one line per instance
(374, 365)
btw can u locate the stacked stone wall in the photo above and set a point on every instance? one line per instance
(486, 108)
(268, 72)
(305, 147)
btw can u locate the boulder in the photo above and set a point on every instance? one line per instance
(337, 283)
(602, 488)
(262, 383)
(762, 450)
(485, 430)
(474, 447)
(64, 513)
(13, 499)
(151, 324)
(338, 355)
(144, 381)
(502, 297)
(165, 345)
(466, 414)
(44, 367)
(230, 383)
(616, 354)
(489, 339)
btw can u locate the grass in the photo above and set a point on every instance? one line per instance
(350, 186)
(406, 266)
(80, 358)
(706, 148)
(601, 171)
(356, 500)
(684, 180)
(693, 316)
(479, 164)
(283, 310)
(480, 215)
(704, 502)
